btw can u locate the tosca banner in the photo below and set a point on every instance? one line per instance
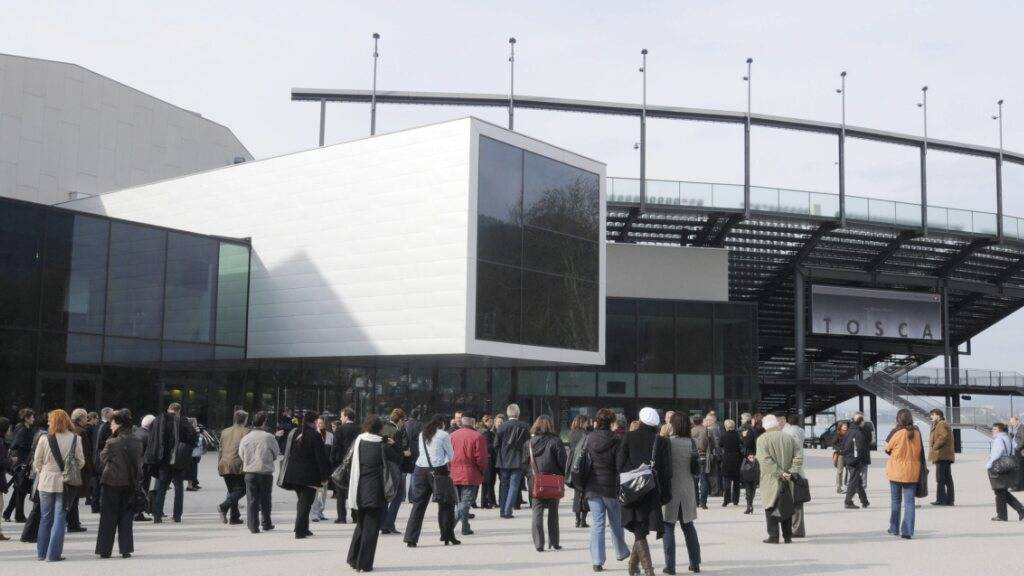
(871, 313)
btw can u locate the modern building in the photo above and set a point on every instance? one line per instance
(68, 132)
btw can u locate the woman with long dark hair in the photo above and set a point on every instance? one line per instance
(432, 473)
(578, 431)
(639, 447)
(748, 438)
(306, 469)
(122, 467)
(905, 449)
(366, 490)
(488, 499)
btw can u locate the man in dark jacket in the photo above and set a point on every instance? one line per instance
(512, 435)
(169, 453)
(343, 439)
(395, 430)
(101, 434)
(856, 458)
(19, 453)
(601, 486)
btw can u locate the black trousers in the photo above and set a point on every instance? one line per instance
(116, 517)
(193, 471)
(488, 499)
(731, 491)
(944, 482)
(340, 496)
(16, 505)
(1004, 498)
(538, 507)
(236, 490)
(165, 477)
(364, 538)
(74, 520)
(856, 484)
(750, 488)
(258, 489)
(420, 497)
(95, 491)
(774, 523)
(302, 507)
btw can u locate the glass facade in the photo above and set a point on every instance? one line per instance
(97, 311)
(538, 240)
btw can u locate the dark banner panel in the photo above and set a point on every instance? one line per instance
(870, 313)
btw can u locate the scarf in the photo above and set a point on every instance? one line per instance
(353, 474)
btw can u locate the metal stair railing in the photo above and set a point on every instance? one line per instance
(890, 389)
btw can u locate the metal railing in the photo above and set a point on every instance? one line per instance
(808, 203)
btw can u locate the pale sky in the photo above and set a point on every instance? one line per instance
(235, 63)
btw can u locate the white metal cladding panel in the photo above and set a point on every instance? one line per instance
(358, 248)
(66, 129)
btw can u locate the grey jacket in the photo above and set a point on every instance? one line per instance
(259, 451)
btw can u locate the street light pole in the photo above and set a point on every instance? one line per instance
(373, 93)
(842, 150)
(511, 80)
(746, 144)
(323, 120)
(999, 175)
(923, 105)
(643, 133)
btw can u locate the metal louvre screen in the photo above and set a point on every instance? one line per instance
(869, 313)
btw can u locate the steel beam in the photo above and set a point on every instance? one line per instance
(891, 250)
(960, 257)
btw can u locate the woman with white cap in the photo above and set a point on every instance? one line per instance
(644, 516)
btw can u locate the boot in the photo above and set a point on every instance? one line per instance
(583, 520)
(578, 520)
(634, 560)
(645, 558)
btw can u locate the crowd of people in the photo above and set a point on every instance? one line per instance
(642, 477)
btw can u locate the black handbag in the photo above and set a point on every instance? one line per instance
(442, 486)
(750, 471)
(922, 481)
(340, 476)
(138, 501)
(694, 458)
(282, 467)
(579, 469)
(637, 483)
(801, 489)
(392, 475)
(181, 455)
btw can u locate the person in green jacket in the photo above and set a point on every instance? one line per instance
(778, 460)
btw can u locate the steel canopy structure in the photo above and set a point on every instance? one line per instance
(975, 260)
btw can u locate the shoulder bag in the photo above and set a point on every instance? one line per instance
(922, 480)
(139, 499)
(801, 489)
(1005, 464)
(391, 474)
(637, 483)
(282, 466)
(750, 471)
(342, 473)
(545, 486)
(72, 465)
(694, 458)
(181, 455)
(442, 486)
(579, 468)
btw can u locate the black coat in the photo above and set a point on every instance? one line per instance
(85, 437)
(102, 432)
(603, 448)
(343, 440)
(307, 462)
(748, 439)
(645, 516)
(161, 438)
(370, 491)
(548, 455)
(856, 450)
(732, 454)
(21, 443)
(512, 436)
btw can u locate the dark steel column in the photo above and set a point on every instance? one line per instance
(957, 440)
(874, 415)
(945, 328)
(842, 178)
(323, 120)
(799, 329)
(999, 196)
(924, 188)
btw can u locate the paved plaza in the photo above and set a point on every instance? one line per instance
(960, 540)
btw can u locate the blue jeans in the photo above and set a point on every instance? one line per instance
(50, 539)
(608, 508)
(511, 479)
(467, 495)
(904, 493)
(668, 542)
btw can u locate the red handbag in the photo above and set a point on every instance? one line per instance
(545, 486)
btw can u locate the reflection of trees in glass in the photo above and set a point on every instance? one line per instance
(559, 312)
(571, 207)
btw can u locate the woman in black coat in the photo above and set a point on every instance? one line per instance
(122, 467)
(748, 440)
(577, 432)
(544, 454)
(306, 469)
(488, 499)
(732, 457)
(366, 490)
(644, 446)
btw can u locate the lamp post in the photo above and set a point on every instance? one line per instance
(999, 174)
(923, 105)
(746, 143)
(643, 133)
(373, 93)
(842, 149)
(323, 120)
(511, 80)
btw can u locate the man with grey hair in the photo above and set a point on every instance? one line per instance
(511, 437)
(468, 465)
(102, 434)
(779, 460)
(229, 466)
(745, 419)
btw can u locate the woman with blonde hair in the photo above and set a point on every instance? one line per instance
(59, 451)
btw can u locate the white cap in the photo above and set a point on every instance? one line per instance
(649, 416)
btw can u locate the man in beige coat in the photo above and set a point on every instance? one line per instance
(941, 453)
(230, 468)
(779, 460)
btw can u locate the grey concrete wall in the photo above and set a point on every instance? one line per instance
(66, 129)
(668, 272)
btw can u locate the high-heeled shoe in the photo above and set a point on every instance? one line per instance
(453, 542)
(554, 547)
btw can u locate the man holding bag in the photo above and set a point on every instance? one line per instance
(779, 460)
(169, 453)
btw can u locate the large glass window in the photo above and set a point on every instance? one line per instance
(190, 294)
(135, 285)
(18, 367)
(538, 218)
(232, 294)
(75, 273)
(21, 250)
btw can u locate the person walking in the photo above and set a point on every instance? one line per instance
(58, 452)
(578, 431)
(101, 432)
(432, 473)
(778, 460)
(905, 448)
(942, 455)
(306, 469)
(700, 435)
(142, 433)
(488, 499)
(5, 425)
(169, 453)
(544, 455)
(343, 441)
(84, 430)
(601, 488)
(395, 429)
(1002, 481)
(122, 467)
(469, 464)
(644, 447)
(842, 475)
(258, 451)
(229, 466)
(512, 435)
(366, 479)
(1016, 433)
(856, 458)
(749, 434)
(323, 428)
(682, 507)
(791, 426)
(732, 457)
(19, 454)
